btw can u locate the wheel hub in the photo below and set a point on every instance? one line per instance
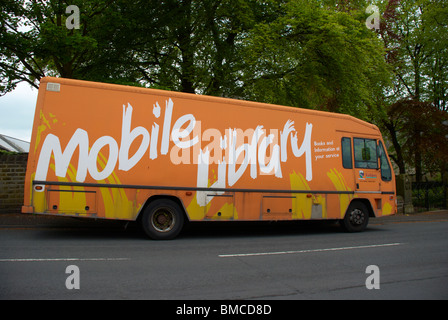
(357, 217)
(163, 220)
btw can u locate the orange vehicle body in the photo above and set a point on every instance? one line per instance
(106, 151)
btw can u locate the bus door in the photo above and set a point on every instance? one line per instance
(373, 173)
(367, 175)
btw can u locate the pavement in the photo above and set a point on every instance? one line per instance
(438, 215)
(15, 220)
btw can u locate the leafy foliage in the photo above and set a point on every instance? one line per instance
(304, 53)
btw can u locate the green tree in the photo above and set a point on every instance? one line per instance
(314, 56)
(414, 35)
(35, 42)
(198, 44)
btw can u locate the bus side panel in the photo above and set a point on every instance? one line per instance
(105, 150)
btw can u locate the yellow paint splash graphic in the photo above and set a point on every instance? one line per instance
(116, 203)
(196, 212)
(340, 184)
(41, 128)
(227, 211)
(37, 198)
(387, 209)
(301, 202)
(74, 201)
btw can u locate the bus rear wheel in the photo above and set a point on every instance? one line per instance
(356, 218)
(162, 219)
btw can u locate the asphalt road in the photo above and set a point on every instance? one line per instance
(275, 261)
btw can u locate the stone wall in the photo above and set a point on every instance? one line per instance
(12, 179)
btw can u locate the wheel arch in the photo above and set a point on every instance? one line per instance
(364, 201)
(162, 196)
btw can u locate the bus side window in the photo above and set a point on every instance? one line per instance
(346, 144)
(365, 153)
(386, 172)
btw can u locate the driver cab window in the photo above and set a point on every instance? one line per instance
(365, 153)
(386, 172)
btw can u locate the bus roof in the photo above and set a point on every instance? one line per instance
(183, 95)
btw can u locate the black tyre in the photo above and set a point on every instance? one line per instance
(162, 219)
(356, 218)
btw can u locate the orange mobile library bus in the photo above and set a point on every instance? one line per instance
(164, 158)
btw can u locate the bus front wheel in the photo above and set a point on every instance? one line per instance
(162, 219)
(356, 218)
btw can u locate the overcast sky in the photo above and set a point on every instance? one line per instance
(17, 112)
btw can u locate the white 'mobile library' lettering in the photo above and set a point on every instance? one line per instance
(253, 153)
